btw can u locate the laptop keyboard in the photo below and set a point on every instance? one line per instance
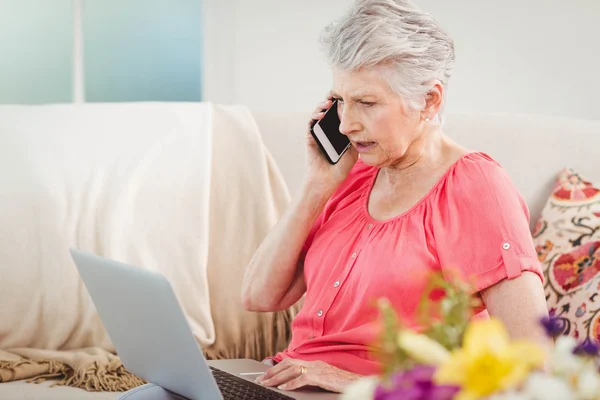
(235, 388)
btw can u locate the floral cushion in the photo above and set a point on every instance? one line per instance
(567, 239)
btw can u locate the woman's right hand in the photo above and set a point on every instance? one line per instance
(319, 171)
(274, 278)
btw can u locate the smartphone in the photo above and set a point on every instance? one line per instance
(331, 141)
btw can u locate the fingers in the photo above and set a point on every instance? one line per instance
(285, 364)
(317, 115)
(293, 374)
(320, 110)
(324, 105)
(301, 381)
(282, 373)
(271, 372)
(283, 377)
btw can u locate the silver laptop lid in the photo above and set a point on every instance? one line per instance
(147, 326)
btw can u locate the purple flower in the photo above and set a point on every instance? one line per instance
(554, 326)
(587, 348)
(415, 384)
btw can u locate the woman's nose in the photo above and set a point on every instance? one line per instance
(348, 124)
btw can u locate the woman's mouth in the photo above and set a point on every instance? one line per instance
(363, 147)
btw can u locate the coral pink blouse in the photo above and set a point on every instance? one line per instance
(473, 220)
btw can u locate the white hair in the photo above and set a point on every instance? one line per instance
(394, 33)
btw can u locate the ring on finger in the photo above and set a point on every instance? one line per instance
(303, 370)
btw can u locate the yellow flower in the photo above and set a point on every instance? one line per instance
(422, 349)
(488, 361)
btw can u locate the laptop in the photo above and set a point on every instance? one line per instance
(150, 333)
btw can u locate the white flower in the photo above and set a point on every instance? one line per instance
(588, 384)
(510, 396)
(362, 389)
(562, 360)
(540, 386)
(422, 349)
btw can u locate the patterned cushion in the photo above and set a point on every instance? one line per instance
(567, 239)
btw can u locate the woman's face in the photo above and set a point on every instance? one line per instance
(378, 122)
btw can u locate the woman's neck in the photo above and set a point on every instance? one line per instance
(426, 153)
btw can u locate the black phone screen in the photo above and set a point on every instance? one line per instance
(330, 123)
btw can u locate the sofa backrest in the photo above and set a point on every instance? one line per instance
(532, 148)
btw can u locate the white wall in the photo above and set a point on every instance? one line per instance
(532, 56)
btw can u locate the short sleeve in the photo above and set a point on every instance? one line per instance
(481, 228)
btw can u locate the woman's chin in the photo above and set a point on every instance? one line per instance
(369, 159)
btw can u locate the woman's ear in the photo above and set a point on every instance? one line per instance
(433, 101)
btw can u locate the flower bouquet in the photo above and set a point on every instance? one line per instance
(457, 357)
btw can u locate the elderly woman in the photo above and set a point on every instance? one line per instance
(405, 200)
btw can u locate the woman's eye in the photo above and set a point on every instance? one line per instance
(367, 103)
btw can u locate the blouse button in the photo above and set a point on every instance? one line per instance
(336, 284)
(320, 313)
(506, 246)
(354, 255)
(369, 226)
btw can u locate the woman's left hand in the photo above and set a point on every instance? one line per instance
(292, 374)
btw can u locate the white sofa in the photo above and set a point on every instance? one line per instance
(532, 148)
